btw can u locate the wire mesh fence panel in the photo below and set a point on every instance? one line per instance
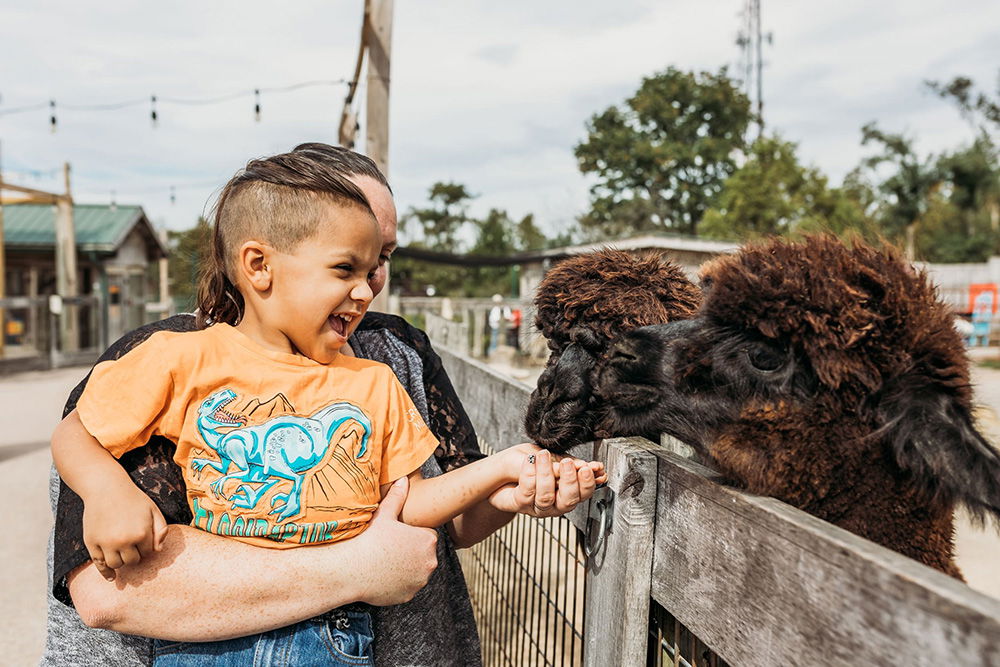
(673, 645)
(527, 584)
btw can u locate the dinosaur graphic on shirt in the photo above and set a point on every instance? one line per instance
(282, 449)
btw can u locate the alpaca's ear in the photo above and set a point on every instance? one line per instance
(933, 438)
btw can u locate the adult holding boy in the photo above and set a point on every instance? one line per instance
(201, 587)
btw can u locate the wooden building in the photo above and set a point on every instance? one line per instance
(120, 260)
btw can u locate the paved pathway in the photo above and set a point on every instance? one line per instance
(979, 546)
(30, 407)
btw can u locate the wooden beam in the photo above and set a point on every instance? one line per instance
(762, 583)
(30, 199)
(66, 266)
(30, 191)
(348, 119)
(619, 569)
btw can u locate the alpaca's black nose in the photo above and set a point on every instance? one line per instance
(624, 351)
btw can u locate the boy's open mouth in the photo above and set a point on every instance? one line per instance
(340, 321)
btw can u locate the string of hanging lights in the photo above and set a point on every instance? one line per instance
(155, 101)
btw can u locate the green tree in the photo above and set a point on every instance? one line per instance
(906, 191)
(527, 234)
(974, 172)
(441, 222)
(772, 194)
(441, 225)
(186, 250)
(660, 159)
(962, 218)
(496, 238)
(437, 227)
(977, 107)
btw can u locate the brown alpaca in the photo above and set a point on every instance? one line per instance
(583, 304)
(828, 377)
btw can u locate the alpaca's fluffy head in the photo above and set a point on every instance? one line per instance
(582, 304)
(813, 372)
(608, 292)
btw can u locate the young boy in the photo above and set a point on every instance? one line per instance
(283, 440)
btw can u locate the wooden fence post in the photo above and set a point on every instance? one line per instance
(618, 576)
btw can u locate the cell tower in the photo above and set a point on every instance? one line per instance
(751, 43)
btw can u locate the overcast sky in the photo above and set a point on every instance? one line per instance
(490, 94)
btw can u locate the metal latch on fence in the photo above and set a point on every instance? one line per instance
(599, 517)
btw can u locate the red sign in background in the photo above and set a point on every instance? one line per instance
(977, 289)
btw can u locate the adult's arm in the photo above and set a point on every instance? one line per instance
(204, 587)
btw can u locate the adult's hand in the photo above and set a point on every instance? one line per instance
(204, 587)
(403, 557)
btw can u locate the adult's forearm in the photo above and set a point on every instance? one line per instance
(203, 587)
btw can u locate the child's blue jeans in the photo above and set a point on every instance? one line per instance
(340, 638)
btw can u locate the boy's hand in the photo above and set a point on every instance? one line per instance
(121, 527)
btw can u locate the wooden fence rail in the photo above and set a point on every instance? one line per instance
(756, 581)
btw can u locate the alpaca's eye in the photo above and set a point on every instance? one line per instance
(765, 358)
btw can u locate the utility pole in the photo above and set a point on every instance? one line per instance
(378, 38)
(751, 40)
(376, 41)
(760, 70)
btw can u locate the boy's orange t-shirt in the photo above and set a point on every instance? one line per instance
(276, 449)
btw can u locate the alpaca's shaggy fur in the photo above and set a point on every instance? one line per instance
(583, 304)
(829, 377)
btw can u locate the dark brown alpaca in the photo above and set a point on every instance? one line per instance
(828, 377)
(581, 305)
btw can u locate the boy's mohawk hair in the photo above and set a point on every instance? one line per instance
(275, 199)
(346, 160)
(278, 200)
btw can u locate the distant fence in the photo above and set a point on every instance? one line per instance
(41, 332)
(690, 572)
(462, 324)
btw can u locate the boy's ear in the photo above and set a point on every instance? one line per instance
(253, 265)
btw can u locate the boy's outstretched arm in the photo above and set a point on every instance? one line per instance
(120, 523)
(436, 501)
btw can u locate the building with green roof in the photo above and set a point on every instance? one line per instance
(121, 259)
